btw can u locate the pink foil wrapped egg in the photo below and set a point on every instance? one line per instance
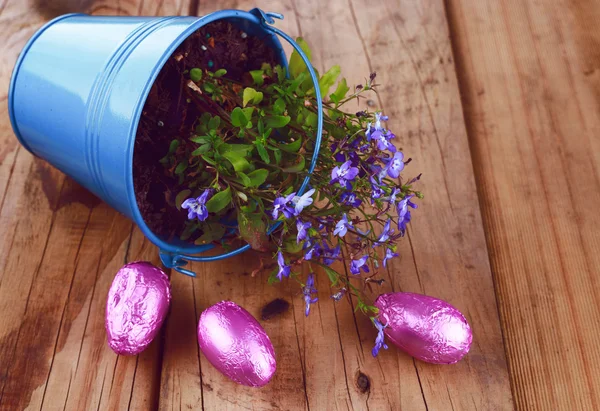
(236, 344)
(427, 328)
(137, 304)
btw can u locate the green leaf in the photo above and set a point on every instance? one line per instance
(332, 274)
(238, 160)
(257, 77)
(245, 179)
(211, 232)
(280, 73)
(292, 147)
(340, 92)
(248, 113)
(293, 87)
(238, 118)
(181, 167)
(200, 139)
(292, 246)
(277, 154)
(209, 88)
(209, 160)
(173, 146)
(277, 121)
(214, 123)
(296, 65)
(219, 73)
(279, 106)
(258, 177)
(311, 120)
(253, 230)
(196, 74)
(181, 197)
(219, 201)
(262, 152)
(296, 168)
(204, 148)
(226, 147)
(328, 79)
(251, 95)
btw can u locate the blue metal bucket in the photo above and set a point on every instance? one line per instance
(77, 93)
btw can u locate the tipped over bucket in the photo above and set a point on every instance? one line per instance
(78, 90)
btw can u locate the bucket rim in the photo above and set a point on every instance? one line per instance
(164, 246)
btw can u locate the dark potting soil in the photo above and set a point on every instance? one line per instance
(169, 113)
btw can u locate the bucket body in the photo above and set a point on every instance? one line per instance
(78, 89)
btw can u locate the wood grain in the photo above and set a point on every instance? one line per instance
(59, 251)
(530, 76)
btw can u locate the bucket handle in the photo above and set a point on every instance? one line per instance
(179, 261)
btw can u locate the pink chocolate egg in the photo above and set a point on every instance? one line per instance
(427, 328)
(236, 344)
(137, 304)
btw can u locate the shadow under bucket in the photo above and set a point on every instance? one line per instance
(77, 93)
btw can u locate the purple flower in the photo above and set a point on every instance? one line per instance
(384, 144)
(197, 206)
(303, 201)
(356, 265)
(379, 341)
(377, 190)
(395, 165)
(330, 254)
(388, 254)
(404, 212)
(343, 174)
(392, 197)
(284, 270)
(308, 290)
(342, 226)
(281, 204)
(314, 250)
(373, 132)
(302, 230)
(385, 234)
(349, 198)
(339, 295)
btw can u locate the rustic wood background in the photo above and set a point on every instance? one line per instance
(497, 101)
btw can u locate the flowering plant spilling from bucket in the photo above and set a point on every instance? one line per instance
(250, 151)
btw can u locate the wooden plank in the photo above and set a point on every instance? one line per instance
(59, 252)
(333, 369)
(530, 74)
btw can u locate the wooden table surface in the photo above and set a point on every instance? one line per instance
(497, 102)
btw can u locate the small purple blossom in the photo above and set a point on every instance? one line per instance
(339, 295)
(392, 198)
(342, 226)
(330, 254)
(349, 198)
(281, 204)
(197, 206)
(343, 174)
(303, 201)
(388, 254)
(302, 230)
(308, 290)
(385, 234)
(395, 165)
(376, 188)
(404, 213)
(379, 341)
(284, 270)
(356, 265)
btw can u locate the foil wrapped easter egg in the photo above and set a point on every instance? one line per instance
(427, 328)
(236, 344)
(137, 304)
